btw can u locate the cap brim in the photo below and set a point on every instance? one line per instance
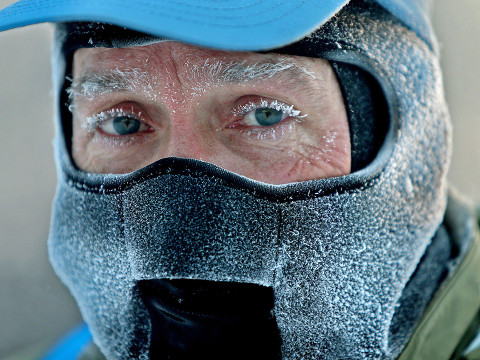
(231, 25)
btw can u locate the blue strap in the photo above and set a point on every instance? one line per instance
(70, 346)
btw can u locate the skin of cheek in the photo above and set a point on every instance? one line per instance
(299, 158)
(321, 160)
(325, 150)
(100, 155)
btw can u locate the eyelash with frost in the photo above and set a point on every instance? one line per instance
(94, 121)
(290, 111)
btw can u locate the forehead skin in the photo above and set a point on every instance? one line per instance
(194, 69)
(188, 96)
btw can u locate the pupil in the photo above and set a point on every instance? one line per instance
(125, 125)
(268, 117)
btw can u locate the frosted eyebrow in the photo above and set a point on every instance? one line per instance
(238, 72)
(219, 72)
(93, 84)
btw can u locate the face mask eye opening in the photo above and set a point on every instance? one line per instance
(365, 102)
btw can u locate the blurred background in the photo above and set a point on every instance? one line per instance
(34, 305)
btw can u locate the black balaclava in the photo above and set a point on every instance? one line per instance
(332, 258)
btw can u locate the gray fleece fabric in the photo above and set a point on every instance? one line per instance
(337, 252)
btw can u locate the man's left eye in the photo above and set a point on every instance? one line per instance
(122, 125)
(264, 117)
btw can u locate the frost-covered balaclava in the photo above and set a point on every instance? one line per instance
(334, 254)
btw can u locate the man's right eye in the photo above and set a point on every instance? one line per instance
(117, 122)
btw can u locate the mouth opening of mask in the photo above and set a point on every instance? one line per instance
(209, 319)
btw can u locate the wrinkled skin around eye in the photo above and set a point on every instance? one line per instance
(186, 109)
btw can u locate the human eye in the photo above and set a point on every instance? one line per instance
(266, 120)
(265, 113)
(117, 123)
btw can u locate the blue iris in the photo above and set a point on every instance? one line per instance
(268, 116)
(125, 125)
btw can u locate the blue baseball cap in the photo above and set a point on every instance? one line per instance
(226, 24)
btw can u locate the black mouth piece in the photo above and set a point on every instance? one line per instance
(199, 319)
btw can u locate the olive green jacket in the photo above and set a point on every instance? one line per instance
(450, 327)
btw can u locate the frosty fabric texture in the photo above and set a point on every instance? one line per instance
(338, 252)
(76, 35)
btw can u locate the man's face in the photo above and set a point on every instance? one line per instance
(269, 117)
